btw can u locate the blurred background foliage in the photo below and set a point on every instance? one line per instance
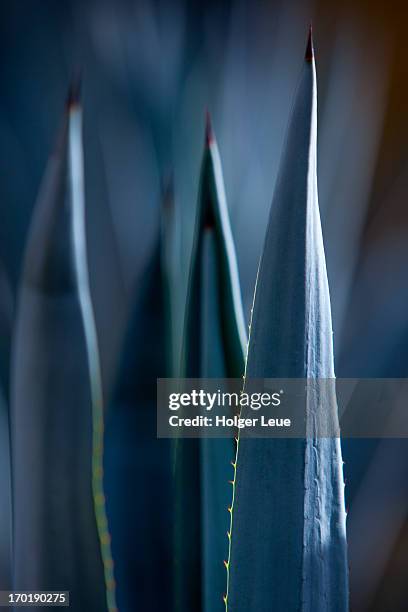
(150, 68)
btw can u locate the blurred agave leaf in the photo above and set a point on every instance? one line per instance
(5, 500)
(16, 193)
(392, 589)
(288, 544)
(6, 325)
(133, 187)
(138, 466)
(152, 58)
(6, 322)
(375, 522)
(26, 123)
(357, 69)
(60, 529)
(171, 262)
(379, 318)
(147, 66)
(214, 345)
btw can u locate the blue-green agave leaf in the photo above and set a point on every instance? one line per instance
(61, 541)
(288, 542)
(6, 326)
(6, 323)
(5, 501)
(138, 466)
(213, 347)
(213, 226)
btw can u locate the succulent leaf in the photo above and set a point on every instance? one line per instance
(213, 347)
(138, 466)
(5, 502)
(288, 543)
(61, 536)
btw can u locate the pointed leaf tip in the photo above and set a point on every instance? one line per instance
(309, 55)
(209, 132)
(74, 91)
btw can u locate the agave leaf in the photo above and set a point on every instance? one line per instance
(214, 344)
(346, 173)
(6, 322)
(288, 545)
(5, 502)
(60, 530)
(375, 523)
(6, 325)
(107, 284)
(170, 263)
(138, 467)
(212, 220)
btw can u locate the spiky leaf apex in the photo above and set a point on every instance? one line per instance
(288, 546)
(209, 133)
(212, 215)
(309, 53)
(51, 268)
(73, 98)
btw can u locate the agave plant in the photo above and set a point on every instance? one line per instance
(213, 346)
(280, 544)
(287, 533)
(61, 540)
